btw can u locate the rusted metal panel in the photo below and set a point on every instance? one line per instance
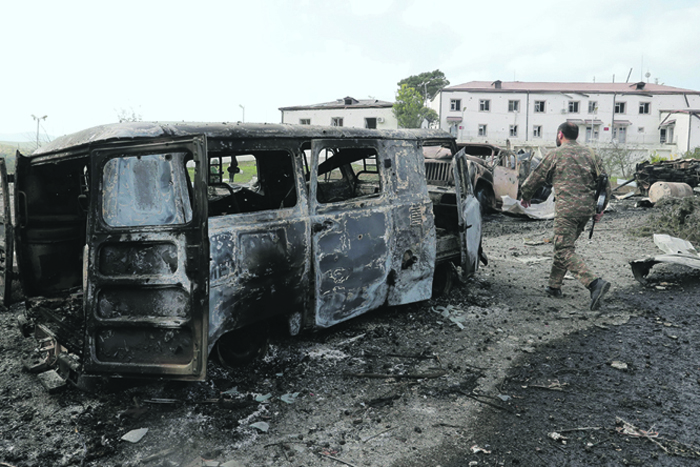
(505, 182)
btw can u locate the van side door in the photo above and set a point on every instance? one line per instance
(350, 224)
(146, 261)
(469, 213)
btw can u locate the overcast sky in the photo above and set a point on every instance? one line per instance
(81, 63)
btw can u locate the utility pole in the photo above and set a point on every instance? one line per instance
(38, 119)
(242, 107)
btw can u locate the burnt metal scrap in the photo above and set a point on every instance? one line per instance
(680, 171)
(142, 251)
(677, 251)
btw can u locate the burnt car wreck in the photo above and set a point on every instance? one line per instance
(675, 171)
(497, 175)
(140, 255)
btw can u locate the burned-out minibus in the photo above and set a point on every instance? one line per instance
(143, 249)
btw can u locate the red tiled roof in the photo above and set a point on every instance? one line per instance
(586, 88)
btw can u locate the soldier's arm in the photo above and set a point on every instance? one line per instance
(537, 178)
(608, 187)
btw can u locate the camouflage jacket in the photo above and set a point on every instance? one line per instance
(571, 170)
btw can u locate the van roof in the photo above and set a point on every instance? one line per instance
(132, 131)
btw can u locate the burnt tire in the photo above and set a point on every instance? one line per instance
(443, 279)
(242, 346)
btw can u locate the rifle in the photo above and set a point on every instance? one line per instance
(601, 195)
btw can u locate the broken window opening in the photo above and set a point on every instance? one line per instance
(346, 174)
(482, 130)
(255, 181)
(573, 107)
(645, 107)
(620, 107)
(371, 123)
(539, 106)
(513, 106)
(514, 130)
(456, 104)
(337, 121)
(592, 106)
(537, 131)
(484, 105)
(146, 190)
(304, 121)
(666, 135)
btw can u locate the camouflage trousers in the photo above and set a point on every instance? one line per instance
(566, 232)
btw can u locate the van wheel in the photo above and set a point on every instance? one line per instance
(443, 279)
(242, 346)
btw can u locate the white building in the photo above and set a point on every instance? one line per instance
(642, 116)
(350, 112)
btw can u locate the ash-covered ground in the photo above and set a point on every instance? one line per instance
(495, 373)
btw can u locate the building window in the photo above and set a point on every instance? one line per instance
(513, 106)
(484, 105)
(482, 130)
(456, 104)
(337, 121)
(666, 135)
(304, 121)
(537, 131)
(640, 129)
(514, 130)
(573, 107)
(370, 123)
(644, 107)
(592, 107)
(539, 106)
(619, 107)
(588, 134)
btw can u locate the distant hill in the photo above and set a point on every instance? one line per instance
(9, 149)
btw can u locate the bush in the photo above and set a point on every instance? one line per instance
(678, 217)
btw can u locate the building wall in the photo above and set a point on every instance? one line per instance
(642, 131)
(352, 117)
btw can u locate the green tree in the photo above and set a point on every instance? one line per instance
(427, 84)
(430, 115)
(694, 154)
(408, 108)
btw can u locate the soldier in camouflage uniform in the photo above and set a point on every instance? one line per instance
(572, 169)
